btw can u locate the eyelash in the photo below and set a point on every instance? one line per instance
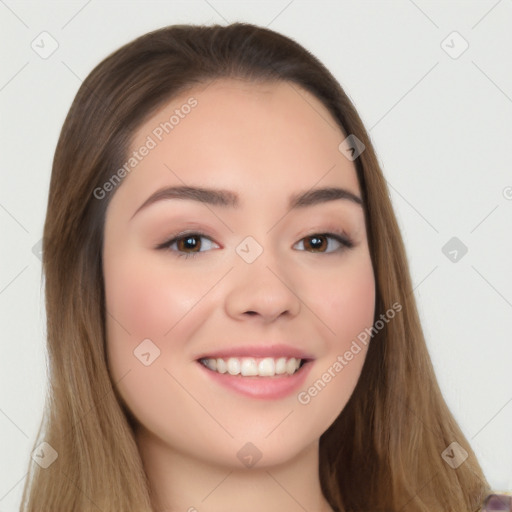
(341, 237)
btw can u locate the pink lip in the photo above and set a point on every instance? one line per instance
(257, 351)
(267, 388)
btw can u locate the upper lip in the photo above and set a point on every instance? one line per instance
(276, 350)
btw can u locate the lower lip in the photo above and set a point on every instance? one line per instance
(267, 388)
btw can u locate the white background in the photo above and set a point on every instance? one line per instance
(441, 127)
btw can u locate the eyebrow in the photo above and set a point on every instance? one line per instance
(229, 199)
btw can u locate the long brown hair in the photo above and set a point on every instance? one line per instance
(383, 452)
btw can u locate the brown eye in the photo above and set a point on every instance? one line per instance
(187, 245)
(320, 242)
(316, 243)
(188, 242)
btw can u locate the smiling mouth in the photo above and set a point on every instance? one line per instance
(254, 366)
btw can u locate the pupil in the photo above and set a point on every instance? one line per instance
(316, 242)
(190, 242)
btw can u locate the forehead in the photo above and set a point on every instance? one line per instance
(263, 138)
(225, 101)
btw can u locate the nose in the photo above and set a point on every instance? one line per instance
(261, 289)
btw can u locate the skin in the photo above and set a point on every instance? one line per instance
(264, 142)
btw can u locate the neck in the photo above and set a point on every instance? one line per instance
(180, 482)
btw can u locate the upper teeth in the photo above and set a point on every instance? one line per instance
(250, 366)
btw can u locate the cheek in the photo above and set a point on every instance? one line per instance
(145, 298)
(142, 305)
(145, 301)
(343, 298)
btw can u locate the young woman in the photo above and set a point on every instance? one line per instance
(231, 322)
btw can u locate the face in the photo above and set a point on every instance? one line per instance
(252, 274)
